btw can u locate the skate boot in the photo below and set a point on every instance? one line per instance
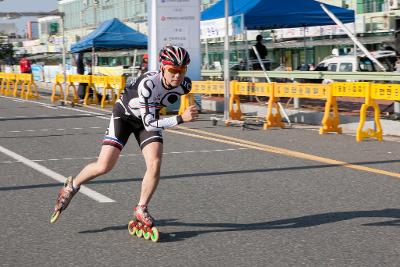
(64, 197)
(142, 225)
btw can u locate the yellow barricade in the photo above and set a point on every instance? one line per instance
(302, 90)
(29, 89)
(274, 117)
(118, 83)
(350, 89)
(256, 89)
(2, 82)
(330, 124)
(103, 82)
(361, 89)
(369, 133)
(200, 87)
(19, 82)
(246, 88)
(8, 85)
(58, 84)
(385, 91)
(330, 121)
(207, 87)
(72, 79)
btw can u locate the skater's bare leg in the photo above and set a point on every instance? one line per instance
(106, 161)
(153, 156)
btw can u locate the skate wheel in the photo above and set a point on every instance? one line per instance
(132, 228)
(147, 235)
(155, 236)
(55, 216)
(139, 233)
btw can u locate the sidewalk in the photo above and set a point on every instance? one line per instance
(312, 111)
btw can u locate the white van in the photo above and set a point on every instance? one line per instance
(350, 63)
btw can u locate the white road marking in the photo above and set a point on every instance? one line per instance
(127, 155)
(58, 177)
(51, 129)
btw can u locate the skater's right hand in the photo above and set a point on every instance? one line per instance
(190, 114)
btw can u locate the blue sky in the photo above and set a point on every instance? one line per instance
(25, 6)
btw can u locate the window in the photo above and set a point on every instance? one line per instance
(366, 64)
(346, 67)
(332, 67)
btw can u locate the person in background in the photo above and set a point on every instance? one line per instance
(144, 66)
(25, 65)
(262, 51)
(397, 65)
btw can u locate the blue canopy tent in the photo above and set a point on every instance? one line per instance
(112, 34)
(273, 14)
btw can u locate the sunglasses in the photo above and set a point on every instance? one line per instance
(181, 71)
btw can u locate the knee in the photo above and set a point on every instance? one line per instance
(103, 168)
(154, 166)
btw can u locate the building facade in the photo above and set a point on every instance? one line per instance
(377, 22)
(83, 16)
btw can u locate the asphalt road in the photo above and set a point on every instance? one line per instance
(282, 197)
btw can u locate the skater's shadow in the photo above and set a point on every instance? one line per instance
(292, 223)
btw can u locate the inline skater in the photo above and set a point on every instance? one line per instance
(137, 112)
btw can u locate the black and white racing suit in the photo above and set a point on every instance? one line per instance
(137, 110)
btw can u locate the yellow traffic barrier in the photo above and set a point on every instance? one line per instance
(247, 88)
(57, 85)
(28, 87)
(361, 89)
(301, 90)
(236, 89)
(118, 83)
(2, 82)
(350, 89)
(330, 123)
(200, 87)
(102, 82)
(369, 133)
(8, 84)
(385, 91)
(274, 117)
(186, 101)
(207, 87)
(17, 85)
(72, 79)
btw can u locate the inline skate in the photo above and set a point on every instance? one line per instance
(64, 197)
(143, 225)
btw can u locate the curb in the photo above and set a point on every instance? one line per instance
(306, 116)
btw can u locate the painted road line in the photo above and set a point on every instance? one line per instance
(128, 155)
(51, 129)
(58, 177)
(277, 150)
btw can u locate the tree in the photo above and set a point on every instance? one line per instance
(6, 51)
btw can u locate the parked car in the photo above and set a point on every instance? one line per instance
(350, 63)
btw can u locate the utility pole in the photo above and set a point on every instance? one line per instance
(226, 63)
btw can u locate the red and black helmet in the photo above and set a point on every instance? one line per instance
(174, 56)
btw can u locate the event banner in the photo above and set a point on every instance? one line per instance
(176, 22)
(214, 28)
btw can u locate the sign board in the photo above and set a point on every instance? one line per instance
(312, 31)
(37, 71)
(175, 22)
(214, 28)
